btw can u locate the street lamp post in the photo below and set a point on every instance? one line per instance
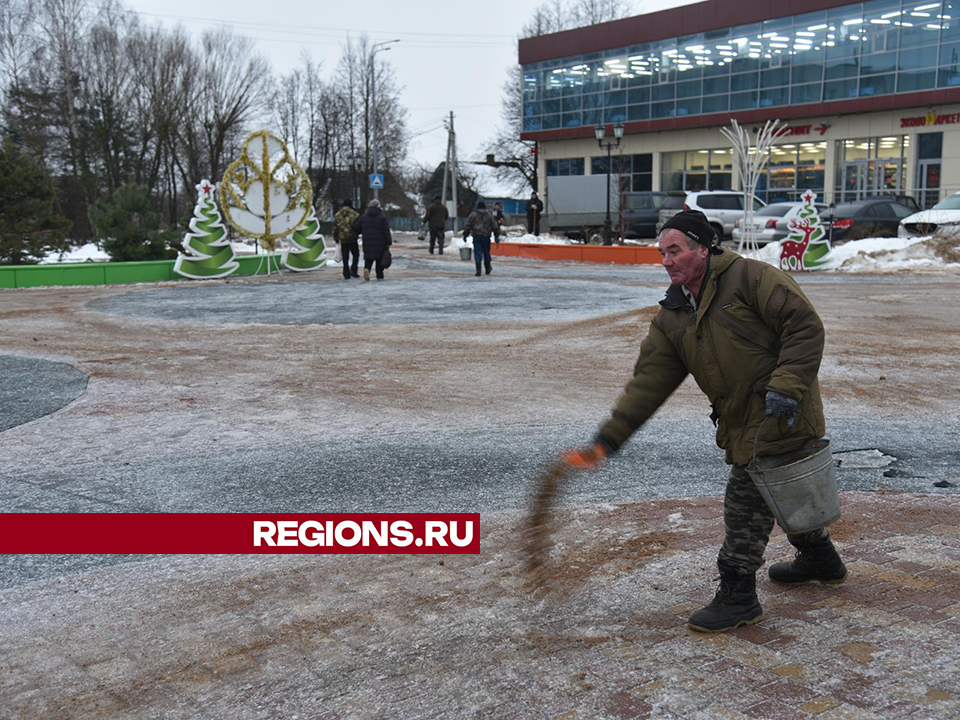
(600, 131)
(379, 47)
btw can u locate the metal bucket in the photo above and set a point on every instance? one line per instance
(466, 253)
(799, 487)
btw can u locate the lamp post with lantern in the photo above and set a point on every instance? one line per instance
(600, 131)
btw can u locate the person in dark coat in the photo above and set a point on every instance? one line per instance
(499, 217)
(534, 210)
(481, 225)
(436, 218)
(374, 229)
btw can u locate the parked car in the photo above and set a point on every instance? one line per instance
(641, 210)
(906, 200)
(722, 208)
(927, 222)
(772, 222)
(671, 206)
(879, 217)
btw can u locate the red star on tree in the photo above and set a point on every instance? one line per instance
(206, 188)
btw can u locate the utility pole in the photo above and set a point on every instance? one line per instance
(379, 47)
(450, 171)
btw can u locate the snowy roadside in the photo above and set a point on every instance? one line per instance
(922, 254)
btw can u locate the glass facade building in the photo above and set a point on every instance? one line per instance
(858, 50)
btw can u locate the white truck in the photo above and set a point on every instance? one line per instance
(576, 206)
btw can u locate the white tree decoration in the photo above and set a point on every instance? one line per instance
(751, 165)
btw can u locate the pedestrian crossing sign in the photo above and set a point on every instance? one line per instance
(376, 181)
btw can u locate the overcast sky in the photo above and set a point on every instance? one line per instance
(452, 55)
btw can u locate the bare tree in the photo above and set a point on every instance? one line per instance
(517, 158)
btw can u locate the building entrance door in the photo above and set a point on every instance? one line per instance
(857, 177)
(864, 178)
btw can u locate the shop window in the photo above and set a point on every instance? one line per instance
(743, 101)
(839, 69)
(572, 119)
(882, 63)
(688, 89)
(919, 58)
(551, 122)
(565, 166)
(591, 102)
(948, 78)
(551, 107)
(592, 117)
(614, 99)
(840, 90)
(612, 115)
(664, 92)
(717, 103)
(800, 94)
(776, 96)
(929, 146)
(638, 112)
(662, 109)
(688, 107)
(775, 78)
(807, 73)
(923, 80)
(877, 84)
(739, 83)
(571, 104)
(531, 123)
(638, 95)
(715, 86)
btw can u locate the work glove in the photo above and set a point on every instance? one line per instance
(588, 458)
(782, 406)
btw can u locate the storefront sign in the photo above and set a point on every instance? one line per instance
(930, 118)
(790, 130)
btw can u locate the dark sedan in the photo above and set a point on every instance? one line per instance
(640, 213)
(875, 217)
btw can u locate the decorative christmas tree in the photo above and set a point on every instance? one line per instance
(807, 245)
(310, 250)
(209, 254)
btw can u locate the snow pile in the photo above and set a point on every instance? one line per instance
(885, 255)
(527, 238)
(86, 253)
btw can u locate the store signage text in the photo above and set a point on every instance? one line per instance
(800, 130)
(930, 118)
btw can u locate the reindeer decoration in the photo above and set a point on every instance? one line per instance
(795, 250)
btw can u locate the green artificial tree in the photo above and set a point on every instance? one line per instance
(807, 245)
(30, 224)
(128, 228)
(208, 252)
(310, 249)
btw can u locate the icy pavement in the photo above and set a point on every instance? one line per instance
(454, 404)
(462, 637)
(32, 388)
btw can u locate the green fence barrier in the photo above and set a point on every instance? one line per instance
(113, 273)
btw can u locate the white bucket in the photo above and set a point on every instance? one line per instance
(800, 488)
(466, 252)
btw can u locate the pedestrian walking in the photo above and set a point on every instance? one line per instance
(343, 233)
(534, 210)
(436, 219)
(753, 342)
(499, 217)
(482, 226)
(374, 229)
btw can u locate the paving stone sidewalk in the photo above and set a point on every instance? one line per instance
(322, 638)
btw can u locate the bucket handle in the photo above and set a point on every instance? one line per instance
(756, 438)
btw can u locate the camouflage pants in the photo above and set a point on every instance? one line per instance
(748, 523)
(436, 238)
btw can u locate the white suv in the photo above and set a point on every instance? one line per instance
(722, 208)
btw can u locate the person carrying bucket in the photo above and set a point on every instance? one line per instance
(753, 342)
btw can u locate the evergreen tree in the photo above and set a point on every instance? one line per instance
(209, 254)
(309, 250)
(30, 224)
(129, 229)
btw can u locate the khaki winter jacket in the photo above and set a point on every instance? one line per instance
(754, 331)
(437, 215)
(343, 224)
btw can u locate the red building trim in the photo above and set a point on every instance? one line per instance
(787, 112)
(686, 20)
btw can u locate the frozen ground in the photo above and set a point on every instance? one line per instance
(431, 390)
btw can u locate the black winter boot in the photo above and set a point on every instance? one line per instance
(478, 268)
(816, 559)
(488, 268)
(735, 603)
